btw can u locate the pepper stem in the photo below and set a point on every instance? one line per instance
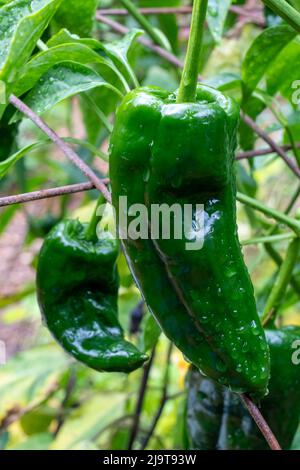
(91, 230)
(143, 22)
(188, 85)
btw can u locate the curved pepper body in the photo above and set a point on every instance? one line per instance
(165, 153)
(77, 284)
(216, 419)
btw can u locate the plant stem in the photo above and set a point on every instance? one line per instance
(286, 11)
(163, 400)
(140, 401)
(91, 230)
(188, 85)
(279, 216)
(268, 239)
(282, 281)
(278, 261)
(260, 422)
(143, 22)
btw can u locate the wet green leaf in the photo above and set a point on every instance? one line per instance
(76, 15)
(216, 16)
(43, 61)
(261, 54)
(60, 82)
(21, 25)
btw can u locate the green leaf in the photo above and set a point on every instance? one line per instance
(40, 441)
(37, 421)
(285, 70)
(225, 81)
(43, 61)
(216, 16)
(18, 388)
(88, 420)
(77, 16)
(262, 53)
(151, 333)
(22, 23)
(64, 36)
(119, 51)
(6, 165)
(157, 76)
(60, 82)
(119, 438)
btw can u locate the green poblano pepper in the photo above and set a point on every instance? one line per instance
(216, 419)
(163, 152)
(77, 284)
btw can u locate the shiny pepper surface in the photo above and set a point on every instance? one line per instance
(165, 153)
(77, 283)
(216, 419)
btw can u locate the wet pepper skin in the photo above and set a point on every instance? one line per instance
(77, 283)
(216, 419)
(163, 152)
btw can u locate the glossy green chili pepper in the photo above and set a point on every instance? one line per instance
(163, 152)
(216, 419)
(77, 284)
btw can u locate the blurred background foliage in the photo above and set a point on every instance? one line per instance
(46, 400)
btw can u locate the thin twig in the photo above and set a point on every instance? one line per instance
(260, 422)
(68, 151)
(273, 145)
(119, 28)
(253, 14)
(47, 193)
(163, 400)
(147, 11)
(140, 401)
(262, 152)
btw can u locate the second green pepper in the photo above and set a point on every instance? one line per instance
(216, 419)
(77, 283)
